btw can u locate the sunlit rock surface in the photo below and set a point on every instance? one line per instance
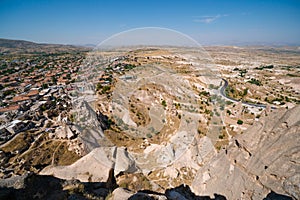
(265, 158)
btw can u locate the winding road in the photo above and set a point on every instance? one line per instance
(223, 93)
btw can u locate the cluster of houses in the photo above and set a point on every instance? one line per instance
(116, 66)
(26, 85)
(31, 84)
(30, 112)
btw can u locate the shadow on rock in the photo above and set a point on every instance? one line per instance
(274, 196)
(184, 192)
(35, 186)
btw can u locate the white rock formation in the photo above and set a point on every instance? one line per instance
(95, 166)
(124, 162)
(120, 194)
(266, 157)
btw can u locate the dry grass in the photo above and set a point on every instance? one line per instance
(134, 182)
(21, 142)
(37, 154)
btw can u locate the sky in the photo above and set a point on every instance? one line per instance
(212, 22)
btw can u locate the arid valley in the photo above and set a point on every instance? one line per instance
(214, 122)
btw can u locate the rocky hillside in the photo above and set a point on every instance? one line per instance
(265, 158)
(25, 47)
(262, 163)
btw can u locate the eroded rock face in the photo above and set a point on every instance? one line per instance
(95, 166)
(124, 162)
(183, 170)
(265, 158)
(89, 125)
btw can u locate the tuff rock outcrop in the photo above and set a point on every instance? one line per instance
(265, 158)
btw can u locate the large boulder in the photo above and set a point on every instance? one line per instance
(120, 194)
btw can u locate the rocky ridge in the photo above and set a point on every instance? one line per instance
(265, 158)
(262, 163)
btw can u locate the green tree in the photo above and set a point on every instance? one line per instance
(45, 86)
(240, 122)
(164, 103)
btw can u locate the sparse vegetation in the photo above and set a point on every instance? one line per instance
(228, 112)
(202, 106)
(255, 81)
(105, 89)
(264, 67)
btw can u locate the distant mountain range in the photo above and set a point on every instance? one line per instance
(8, 46)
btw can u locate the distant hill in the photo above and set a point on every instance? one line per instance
(18, 43)
(26, 47)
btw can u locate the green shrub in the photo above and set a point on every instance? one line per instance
(240, 122)
(164, 103)
(255, 82)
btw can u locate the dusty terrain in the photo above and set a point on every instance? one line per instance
(156, 118)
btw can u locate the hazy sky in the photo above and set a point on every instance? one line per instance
(207, 21)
